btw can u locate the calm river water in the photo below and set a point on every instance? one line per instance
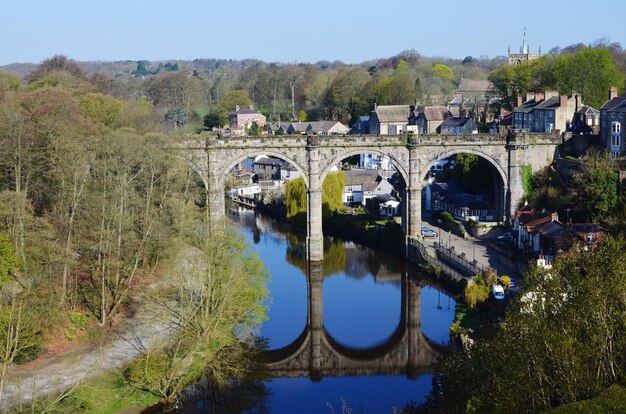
(358, 329)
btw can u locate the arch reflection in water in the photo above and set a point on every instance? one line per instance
(379, 374)
(316, 354)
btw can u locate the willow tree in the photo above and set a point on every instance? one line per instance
(332, 190)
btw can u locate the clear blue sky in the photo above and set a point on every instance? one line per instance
(296, 31)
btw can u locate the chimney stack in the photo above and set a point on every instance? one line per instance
(519, 100)
(563, 100)
(613, 92)
(539, 96)
(530, 96)
(237, 108)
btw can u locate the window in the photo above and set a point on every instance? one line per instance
(616, 127)
(615, 140)
(614, 155)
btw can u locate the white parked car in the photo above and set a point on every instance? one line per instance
(498, 292)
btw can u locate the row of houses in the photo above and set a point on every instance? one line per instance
(541, 232)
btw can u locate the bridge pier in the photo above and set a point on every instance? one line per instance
(517, 146)
(415, 329)
(414, 191)
(214, 190)
(314, 236)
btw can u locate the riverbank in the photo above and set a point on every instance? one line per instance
(365, 229)
(89, 375)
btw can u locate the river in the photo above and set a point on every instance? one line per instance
(359, 330)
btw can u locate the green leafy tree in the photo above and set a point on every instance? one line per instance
(230, 101)
(589, 71)
(254, 129)
(212, 120)
(443, 71)
(103, 109)
(596, 188)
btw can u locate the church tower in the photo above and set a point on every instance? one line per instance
(524, 54)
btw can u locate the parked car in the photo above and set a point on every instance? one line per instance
(427, 232)
(498, 292)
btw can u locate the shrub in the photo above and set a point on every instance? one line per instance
(476, 293)
(505, 281)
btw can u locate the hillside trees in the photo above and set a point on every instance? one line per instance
(564, 345)
(590, 71)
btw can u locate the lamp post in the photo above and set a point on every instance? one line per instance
(439, 221)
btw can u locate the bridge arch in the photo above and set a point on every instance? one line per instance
(346, 153)
(230, 162)
(430, 161)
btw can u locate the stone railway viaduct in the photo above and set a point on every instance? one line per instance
(316, 354)
(412, 155)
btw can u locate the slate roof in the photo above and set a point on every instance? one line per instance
(367, 178)
(245, 111)
(526, 107)
(436, 113)
(616, 104)
(477, 86)
(269, 161)
(392, 113)
(298, 126)
(455, 121)
(325, 126)
(587, 110)
(550, 103)
(552, 229)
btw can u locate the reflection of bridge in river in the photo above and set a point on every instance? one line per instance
(315, 353)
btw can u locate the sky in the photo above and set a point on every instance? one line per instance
(296, 31)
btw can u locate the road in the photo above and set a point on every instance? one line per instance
(479, 249)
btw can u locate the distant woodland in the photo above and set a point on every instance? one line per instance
(184, 93)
